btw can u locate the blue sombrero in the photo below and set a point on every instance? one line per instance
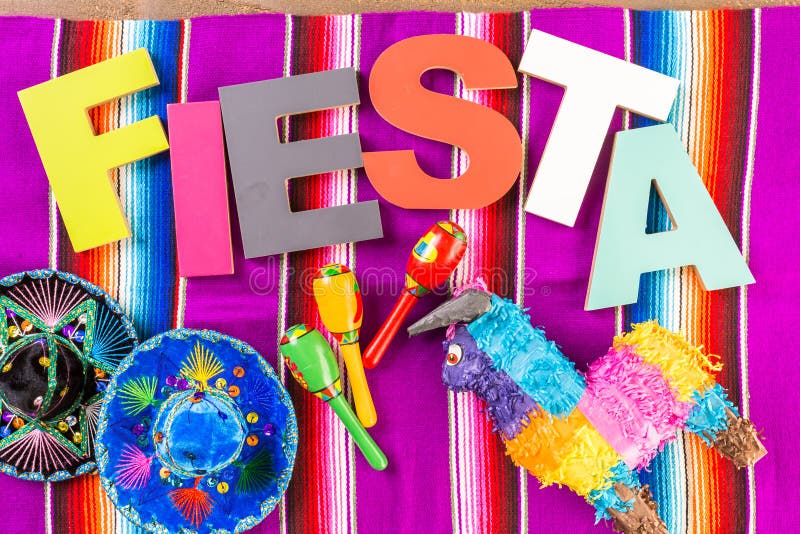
(197, 434)
(61, 339)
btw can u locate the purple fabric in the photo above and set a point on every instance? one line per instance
(558, 259)
(410, 399)
(25, 61)
(244, 305)
(773, 312)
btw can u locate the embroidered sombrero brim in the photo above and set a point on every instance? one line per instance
(197, 434)
(61, 340)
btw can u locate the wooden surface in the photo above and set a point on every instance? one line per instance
(170, 9)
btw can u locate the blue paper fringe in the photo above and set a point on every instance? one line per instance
(608, 498)
(542, 371)
(709, 416)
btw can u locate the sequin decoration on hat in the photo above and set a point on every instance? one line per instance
(197, 435)
(61, 339)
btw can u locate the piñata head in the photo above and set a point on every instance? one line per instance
(465, 362)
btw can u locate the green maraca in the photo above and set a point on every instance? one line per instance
(311, 360)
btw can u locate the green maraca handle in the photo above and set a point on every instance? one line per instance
(369, 448)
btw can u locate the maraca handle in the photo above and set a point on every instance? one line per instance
(370, 450)
(358, 384)
(377, 347)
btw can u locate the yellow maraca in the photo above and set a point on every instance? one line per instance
(339, 302)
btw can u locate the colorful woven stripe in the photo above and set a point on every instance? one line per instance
(139, 272)
(482, 473)
(711, 53)
(410, 422)
(134, 269)
(326, 452)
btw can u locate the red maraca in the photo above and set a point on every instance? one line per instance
(432, 261)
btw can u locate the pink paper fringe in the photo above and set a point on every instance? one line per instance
(635, 395)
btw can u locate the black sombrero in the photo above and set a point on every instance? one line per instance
(61, 340)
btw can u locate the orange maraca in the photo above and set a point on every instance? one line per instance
(432, 261)
(339, 302)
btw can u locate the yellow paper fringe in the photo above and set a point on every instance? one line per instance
(565, 451)
(685, 366)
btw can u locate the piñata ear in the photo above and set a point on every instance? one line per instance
(465, 308)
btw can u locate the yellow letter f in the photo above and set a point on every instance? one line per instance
(77, 161)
